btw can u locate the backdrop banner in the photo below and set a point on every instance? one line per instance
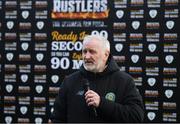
(41, 43)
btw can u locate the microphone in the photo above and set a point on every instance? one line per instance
(86, 85)
(86, 88)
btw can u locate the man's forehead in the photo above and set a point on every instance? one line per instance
(90, 46)
(92, 42)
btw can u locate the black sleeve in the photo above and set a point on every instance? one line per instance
(130, 110)
(60, 108)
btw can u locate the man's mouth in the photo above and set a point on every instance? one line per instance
(89, 62)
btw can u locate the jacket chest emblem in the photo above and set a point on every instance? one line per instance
(110, 96)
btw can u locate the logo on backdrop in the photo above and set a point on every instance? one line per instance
(119, 13)
(8, 119)
(24, 46)
(152, 47)
(10, 24)
(25, 14)
(23, 110)
(135, 58)
(9, 88)
(153, 13)
(135, 25)
(151, 81)
(54, 78)
(169, 59)
(169, 93)
(84, 9)
(119, 47)
(9, 56)
(170, 24)
(38, 120)
(39, 89)
(151, 115)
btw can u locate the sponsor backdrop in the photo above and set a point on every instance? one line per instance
(41, 42)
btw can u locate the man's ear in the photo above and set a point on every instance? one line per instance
(107, 53)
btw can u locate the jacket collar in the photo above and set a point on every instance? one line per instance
(111, 67)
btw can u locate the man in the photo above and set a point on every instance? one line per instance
(98, 92)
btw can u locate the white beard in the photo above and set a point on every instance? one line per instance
(91, 68)
(94, 67)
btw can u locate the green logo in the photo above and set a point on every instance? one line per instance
(110, 96)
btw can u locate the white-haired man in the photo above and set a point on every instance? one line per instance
(99, 91)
